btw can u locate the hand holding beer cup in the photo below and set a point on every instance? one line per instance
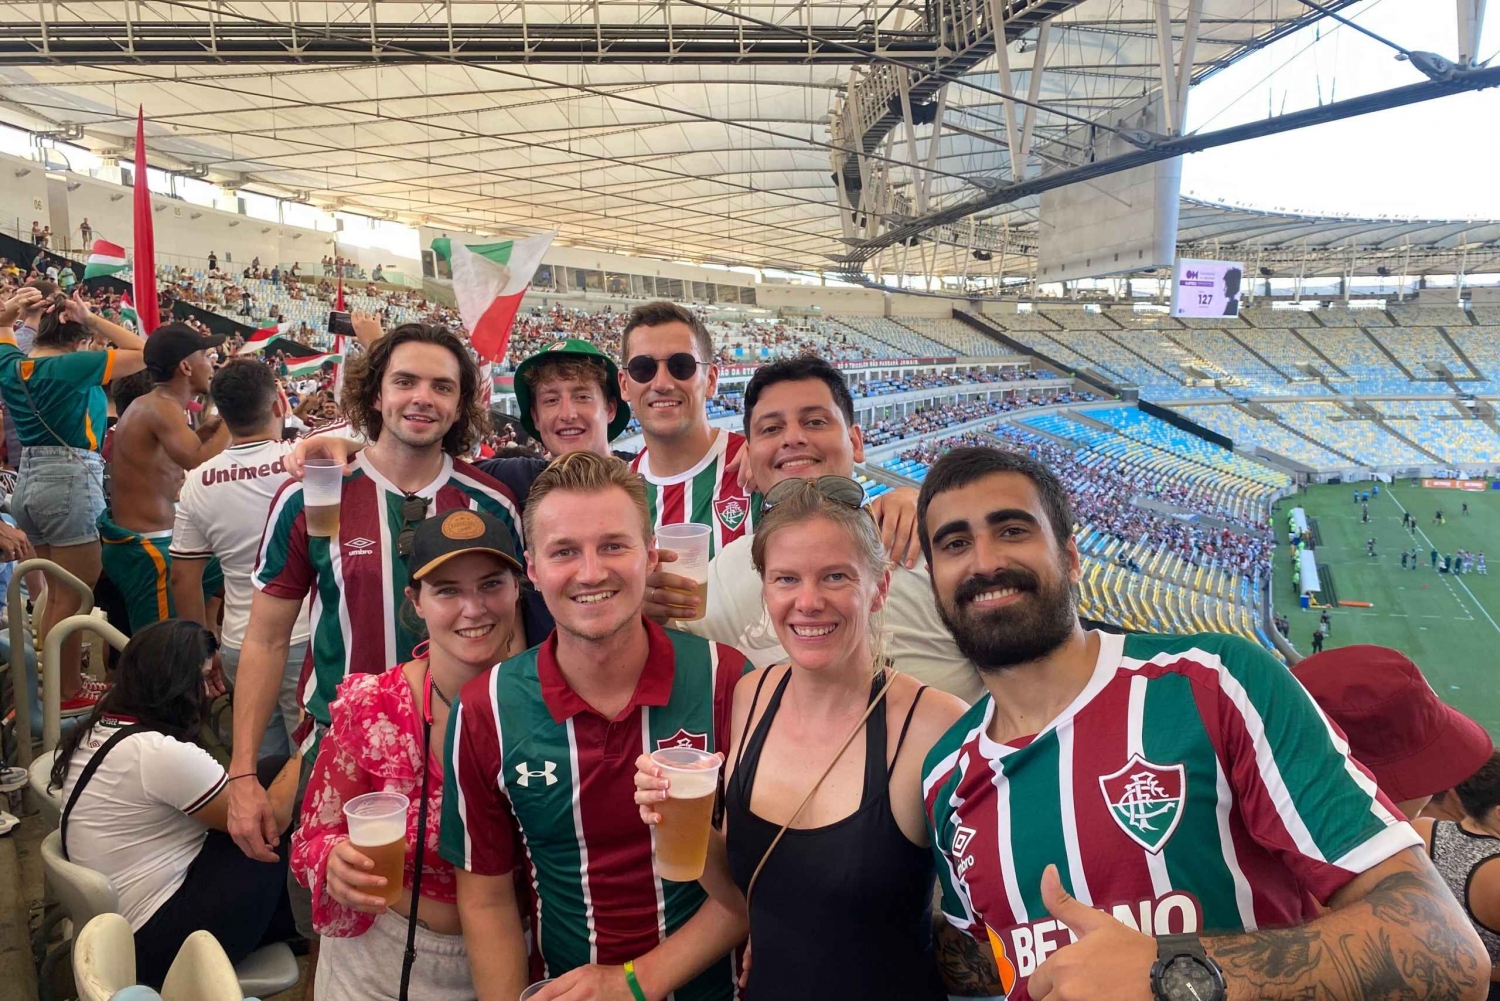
(351, 881)
(377, 833)
(681, 783)
(670, 595)
(687, 595)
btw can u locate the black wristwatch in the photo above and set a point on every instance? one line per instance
(1183, 971)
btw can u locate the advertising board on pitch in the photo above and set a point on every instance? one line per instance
(1207, 288)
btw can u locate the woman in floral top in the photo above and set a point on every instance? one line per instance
(465, 586)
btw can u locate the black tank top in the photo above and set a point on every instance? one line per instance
(842, 911)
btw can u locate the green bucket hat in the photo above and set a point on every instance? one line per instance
(576, 349)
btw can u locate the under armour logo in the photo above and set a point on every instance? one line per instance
(548, 771)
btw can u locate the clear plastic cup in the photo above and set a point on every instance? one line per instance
(377, 827)
(690, 543)
(681, 839)
(322, 490)
(534, 990)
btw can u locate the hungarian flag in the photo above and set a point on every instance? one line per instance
(265, 335)
(311, 365)
(144, 272)
(105, 259)
(127, 311)
(489, 280)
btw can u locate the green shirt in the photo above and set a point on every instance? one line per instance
(63, 393)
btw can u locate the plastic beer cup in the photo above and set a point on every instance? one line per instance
(681, 839)
(690, 543)
(322, 489)
(377, 827)
(534, 990)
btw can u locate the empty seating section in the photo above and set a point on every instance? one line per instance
(956, 336)
(1481, 345)
(1030, 320)
(1430, 316)
(1485, 316)
(1216, 352)
(1369, 370)
(1267, 316)
(1465, 439)
(1132, 319)
(1079, 319)
(1199, 322)
(904, 342)
(1056, 346)
(1159, 434)
(1099, 350)
(1287, 352)
(1246, 430)
(1417, 346)
(1366, 440)
(1161, 358)
(1344, 316)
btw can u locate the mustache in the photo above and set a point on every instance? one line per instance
(1016, 577)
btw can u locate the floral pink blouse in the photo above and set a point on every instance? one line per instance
(373, 745)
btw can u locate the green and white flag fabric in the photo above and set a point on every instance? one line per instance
(105, 259)
(312, 364)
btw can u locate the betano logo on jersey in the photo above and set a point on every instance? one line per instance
(1024, 947)
(732, 511)
(1146, 800)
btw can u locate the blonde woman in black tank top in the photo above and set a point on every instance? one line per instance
(841, 906)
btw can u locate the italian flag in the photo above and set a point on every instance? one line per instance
(265, 335)
(312, 364)
(489, 280)
(127, 311)
(105, 259)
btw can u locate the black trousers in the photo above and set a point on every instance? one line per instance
(241, 901)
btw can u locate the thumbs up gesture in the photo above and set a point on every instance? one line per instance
(1109, 962)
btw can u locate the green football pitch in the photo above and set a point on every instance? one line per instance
(1448, 625)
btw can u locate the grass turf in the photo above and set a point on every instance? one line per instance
(1446, 624)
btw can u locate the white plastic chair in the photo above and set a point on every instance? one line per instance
(104, 958)
(48, 801)
(201, 972)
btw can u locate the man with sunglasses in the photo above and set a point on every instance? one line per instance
(419, 398)
(799, 424)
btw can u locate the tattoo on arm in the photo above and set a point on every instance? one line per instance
(1405, 939)
(967, 967)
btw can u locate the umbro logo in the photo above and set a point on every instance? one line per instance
(524, 774)
(360, 546)
(961, 838)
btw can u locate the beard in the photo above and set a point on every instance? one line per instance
(1032, 627)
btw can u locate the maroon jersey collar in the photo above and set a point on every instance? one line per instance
(653, 689)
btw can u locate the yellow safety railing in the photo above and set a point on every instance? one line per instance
(19, 626)
(52, 668)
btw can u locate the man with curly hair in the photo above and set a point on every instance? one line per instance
(420, 400)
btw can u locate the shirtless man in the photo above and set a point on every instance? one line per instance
(153, 449)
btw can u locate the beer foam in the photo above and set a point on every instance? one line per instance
(690, 783)
(372, 833)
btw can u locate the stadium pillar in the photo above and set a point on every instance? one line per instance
(1470, 27)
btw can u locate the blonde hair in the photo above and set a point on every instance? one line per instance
(804, 504)
(586, 473)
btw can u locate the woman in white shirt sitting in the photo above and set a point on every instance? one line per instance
(146, 806)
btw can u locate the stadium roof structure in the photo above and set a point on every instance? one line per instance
(780, 133)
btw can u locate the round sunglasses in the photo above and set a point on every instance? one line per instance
(680, 366)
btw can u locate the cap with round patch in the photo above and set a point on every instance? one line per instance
(462, 525)
(578, 349)
(442, 537)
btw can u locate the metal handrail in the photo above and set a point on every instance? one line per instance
(19, 626)
(52, 668)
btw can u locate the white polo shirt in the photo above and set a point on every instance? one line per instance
(916, 639)
(222, 512)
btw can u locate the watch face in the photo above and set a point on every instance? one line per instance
(1186, 979)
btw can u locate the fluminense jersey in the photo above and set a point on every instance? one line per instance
(1193, 785)
(705, 495)
(536, 777)
(358, 581)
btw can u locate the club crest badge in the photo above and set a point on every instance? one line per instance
(1146, 800)
(697, 741)
(731, 512)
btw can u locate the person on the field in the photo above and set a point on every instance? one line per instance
(824, 579)
(541, 766)
(1188, 785)
(1434, 558)
(1317, 640)
(1370, 547)
(1404, 555)
(1466, 508)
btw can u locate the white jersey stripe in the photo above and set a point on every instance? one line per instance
(1069, 812)
(1255, 729)
(960, 887)
(1156, 864)
(661, 900)
(1244, 900)
(455, 756)
(1365, 783)
(346, 626)
(268, 534)
(583, 847)
(1003, 841)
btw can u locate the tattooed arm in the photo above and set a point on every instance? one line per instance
(967, 967)
(1393, 932)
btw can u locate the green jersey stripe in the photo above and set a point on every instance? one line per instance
(1037, 841)
(1244, 899)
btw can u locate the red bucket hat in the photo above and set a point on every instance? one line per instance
(1396, 725)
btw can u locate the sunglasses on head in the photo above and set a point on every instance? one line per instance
(413, 511)
(839, 489)
(680, 366)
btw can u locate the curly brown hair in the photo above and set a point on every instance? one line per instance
(365, 373)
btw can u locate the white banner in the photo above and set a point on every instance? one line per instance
(1207, 288)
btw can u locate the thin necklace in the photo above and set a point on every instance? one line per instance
(438, 691)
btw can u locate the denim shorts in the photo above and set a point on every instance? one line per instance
(59, 495)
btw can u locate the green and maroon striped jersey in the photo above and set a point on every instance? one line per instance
(707, 494)
(1193, 785)
(536, 778)
(358, 580)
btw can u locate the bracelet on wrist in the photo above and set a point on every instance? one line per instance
(632, 983)
(241, 775)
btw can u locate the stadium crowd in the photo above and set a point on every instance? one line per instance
(923, 651)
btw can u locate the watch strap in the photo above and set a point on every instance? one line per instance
(1168, 947)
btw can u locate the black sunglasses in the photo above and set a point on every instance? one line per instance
(839, 489)
(680, 366)
(413, 511)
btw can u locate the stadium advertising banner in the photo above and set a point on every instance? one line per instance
(1473, 485)
(1207, 288)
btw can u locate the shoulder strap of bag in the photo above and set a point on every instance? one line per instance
(419, 857)
(92, 767)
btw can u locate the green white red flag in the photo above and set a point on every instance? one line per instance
(312, 364)
(128, 314)
(104, 259)
(489, 280)
(265, 335)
